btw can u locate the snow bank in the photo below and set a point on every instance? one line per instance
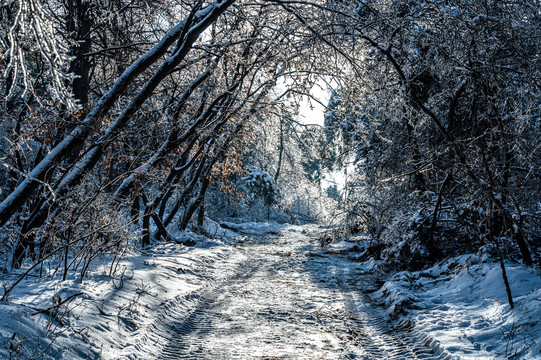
(462, 304)
(114, 316)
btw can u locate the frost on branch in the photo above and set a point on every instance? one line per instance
(33, 50)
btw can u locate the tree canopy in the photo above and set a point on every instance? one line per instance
(123, 113)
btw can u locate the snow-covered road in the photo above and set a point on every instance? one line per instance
(273, 294)
(286, 299)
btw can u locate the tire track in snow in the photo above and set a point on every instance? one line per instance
(273, 308)
(188, 334)
(265, 311)
(393, 343)
(149, 340)
(370, 328)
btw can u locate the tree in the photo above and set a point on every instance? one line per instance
(435, 114)
(185, 34)
(192, 96)
(259, 184)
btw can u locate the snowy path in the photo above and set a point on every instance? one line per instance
(276, 294)
(285, 301)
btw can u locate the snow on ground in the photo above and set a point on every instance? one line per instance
(256, 228)
(112, 313)
(459, 306)
(462, 304)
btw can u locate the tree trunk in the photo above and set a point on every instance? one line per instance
(201, 214)
(500, 257)
(80, 22)
(192, 207)
(185, 34)
(281, 151)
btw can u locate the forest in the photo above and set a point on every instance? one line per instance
(126, 122)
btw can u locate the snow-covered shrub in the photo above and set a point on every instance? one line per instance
(404, 245)
(259, 184)
(254, 196)
(74, 240)
(260, 188)
(412, 241)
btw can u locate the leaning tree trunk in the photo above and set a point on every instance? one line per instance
(188, 32)
(184, 34)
